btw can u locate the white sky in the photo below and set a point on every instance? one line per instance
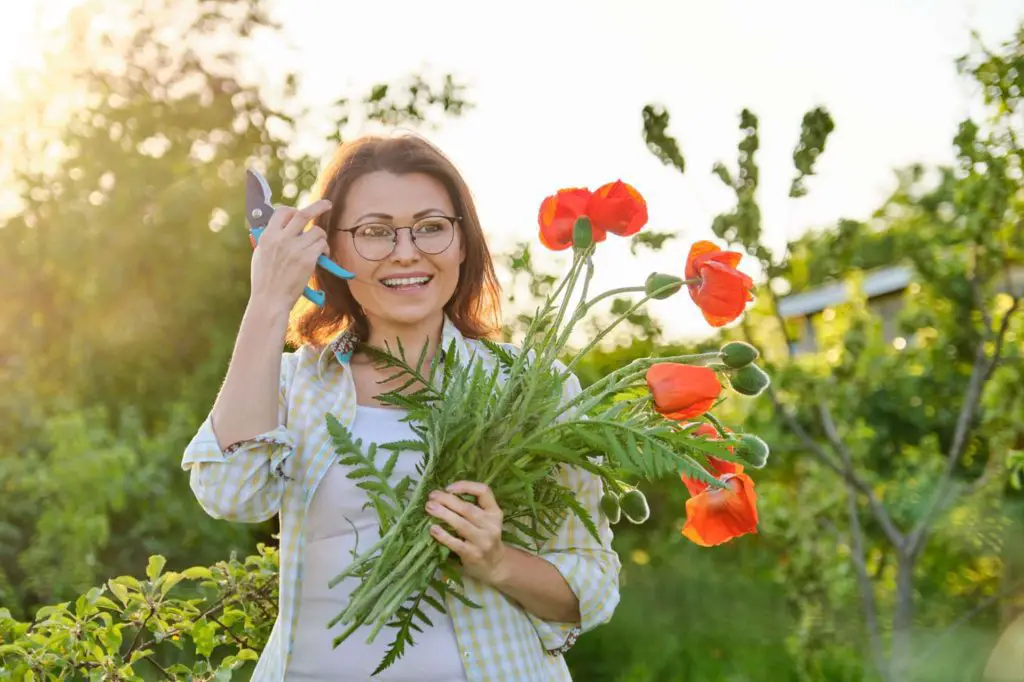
(559, 86)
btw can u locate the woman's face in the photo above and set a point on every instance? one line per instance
(408, 286)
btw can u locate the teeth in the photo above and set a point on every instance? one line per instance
(405, 281)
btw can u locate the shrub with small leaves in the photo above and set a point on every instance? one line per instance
(203, 623)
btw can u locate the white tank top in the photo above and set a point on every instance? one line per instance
(336, 508)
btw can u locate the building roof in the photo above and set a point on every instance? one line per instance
(876, 283)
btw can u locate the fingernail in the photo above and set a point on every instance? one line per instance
(431, 506)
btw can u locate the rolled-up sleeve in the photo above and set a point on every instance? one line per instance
(590, 566)
(245, 481)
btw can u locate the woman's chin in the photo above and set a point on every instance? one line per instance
(408, 313)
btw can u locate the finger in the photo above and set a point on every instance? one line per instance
(282, 214)
(461, 507)
(459, 523)
(460, 547)
(315, 249)
(303, 216)
(314, 234)
(483, 493)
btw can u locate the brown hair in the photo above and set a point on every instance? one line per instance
(474, 308)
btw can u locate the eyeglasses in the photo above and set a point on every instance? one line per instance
(431, 235)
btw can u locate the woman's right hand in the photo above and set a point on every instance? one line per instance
(286, 255)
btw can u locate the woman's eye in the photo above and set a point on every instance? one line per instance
(429, 226)
(375, 231)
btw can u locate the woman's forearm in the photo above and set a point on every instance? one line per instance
(247, 404)
(537, 586)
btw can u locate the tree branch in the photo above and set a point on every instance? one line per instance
(847, 474)
(859, 553)
(981, 371)
(863, 582)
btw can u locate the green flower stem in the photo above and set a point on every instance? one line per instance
(393, 599)
(597, 339)
(371, 588)
(626, 375)
(573, 276)
(613, 292)
(638, 289)
(718, 425)
(542, 313)
(581, 307)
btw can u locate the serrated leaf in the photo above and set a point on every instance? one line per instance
(155, 565)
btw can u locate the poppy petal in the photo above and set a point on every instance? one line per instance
(717, 516)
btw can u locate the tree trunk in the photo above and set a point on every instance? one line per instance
(903, 618)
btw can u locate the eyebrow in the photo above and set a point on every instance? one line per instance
(419, 214)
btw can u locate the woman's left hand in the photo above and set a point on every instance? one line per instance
(478, 526)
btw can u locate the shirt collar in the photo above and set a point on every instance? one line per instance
(341, 346)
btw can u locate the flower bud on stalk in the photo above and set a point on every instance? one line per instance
(751, 380)
(752, 450)
(634, 506)
(737, 354)
(658, 281)
(610, 507)
(582, 234)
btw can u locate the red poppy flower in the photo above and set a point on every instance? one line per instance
(682, 391)
(618, 208)
(718, 515)
(719, 467)
(558, 214)
(723, 291)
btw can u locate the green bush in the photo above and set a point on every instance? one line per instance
(203, 623)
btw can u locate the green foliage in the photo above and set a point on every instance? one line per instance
(202, 623)
(814, 131)
(659, 142)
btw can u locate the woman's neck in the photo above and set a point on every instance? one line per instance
(412, 338)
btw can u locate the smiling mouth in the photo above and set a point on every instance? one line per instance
(403, 283)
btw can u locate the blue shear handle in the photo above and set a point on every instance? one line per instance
(333, 268)
(316, 297)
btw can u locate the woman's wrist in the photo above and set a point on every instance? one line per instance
(264, 311)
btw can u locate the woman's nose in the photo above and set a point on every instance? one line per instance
(405, 247)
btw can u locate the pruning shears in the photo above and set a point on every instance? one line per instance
(258, 210)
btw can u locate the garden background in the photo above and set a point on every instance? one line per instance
(888, 313)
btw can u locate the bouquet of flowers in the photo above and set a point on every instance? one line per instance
(508, 425)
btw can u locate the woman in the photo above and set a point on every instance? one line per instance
(264, 448)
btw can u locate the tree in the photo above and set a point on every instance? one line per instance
(915, 433)
(124, 272)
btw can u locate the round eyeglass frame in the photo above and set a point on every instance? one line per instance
(454, 220)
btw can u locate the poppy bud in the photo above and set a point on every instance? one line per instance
(634, 506)
(753, 450)
(582, 234)
(750, 380)
(737, 354)
(656, 283)
(610, 507)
